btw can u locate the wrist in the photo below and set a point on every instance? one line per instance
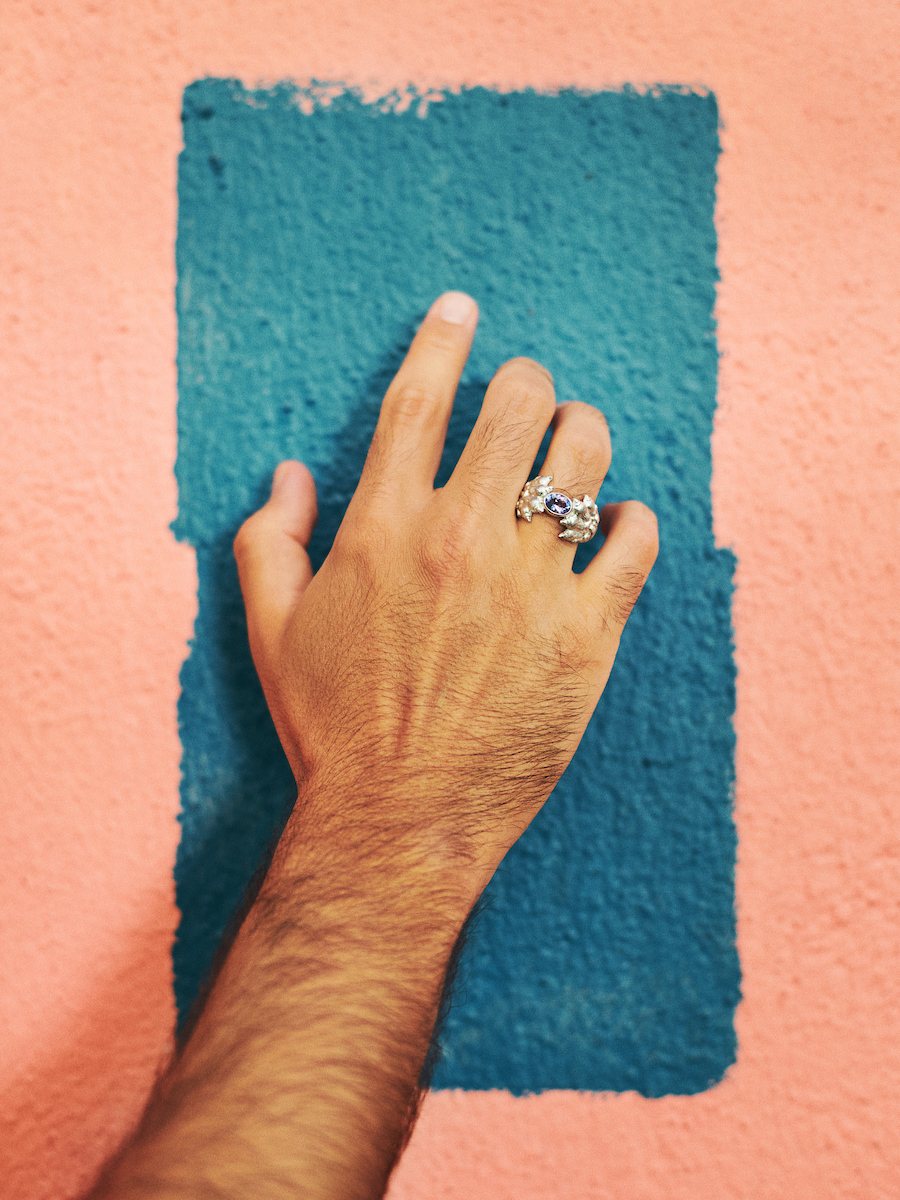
(361, 858)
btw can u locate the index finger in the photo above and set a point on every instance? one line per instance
(412, 424)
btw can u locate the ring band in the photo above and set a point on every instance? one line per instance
(579, 519)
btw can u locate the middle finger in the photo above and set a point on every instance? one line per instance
(518, 406)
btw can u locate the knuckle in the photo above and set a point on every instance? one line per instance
(643, 530)
(584, 411)
(363, 536)
(568, 651)
(441, 338)
(593, 429)
(362, 544)
(410, 398)
(524, 393)
(527, 366)
(245, 537)
(446, 552)
(595, 421)
(360, 566)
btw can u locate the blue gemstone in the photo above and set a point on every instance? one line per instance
(557, 503)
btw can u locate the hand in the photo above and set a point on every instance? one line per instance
(439, 670)
(429, 686)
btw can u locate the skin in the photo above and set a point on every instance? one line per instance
(429, 685)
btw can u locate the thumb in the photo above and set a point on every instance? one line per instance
(270, 550)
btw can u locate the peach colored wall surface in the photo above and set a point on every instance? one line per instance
(98, 598)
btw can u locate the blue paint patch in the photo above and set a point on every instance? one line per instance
(308, 248)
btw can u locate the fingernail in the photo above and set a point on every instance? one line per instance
(454, 307)
(282, 479)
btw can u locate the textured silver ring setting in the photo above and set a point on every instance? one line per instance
(579, 519)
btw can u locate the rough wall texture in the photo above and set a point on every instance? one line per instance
(98, 598)
(603, 955)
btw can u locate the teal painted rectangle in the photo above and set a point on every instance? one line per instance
(309, 245)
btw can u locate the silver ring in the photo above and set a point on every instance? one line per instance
(579, 519)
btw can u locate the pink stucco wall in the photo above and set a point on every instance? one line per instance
(97, 598)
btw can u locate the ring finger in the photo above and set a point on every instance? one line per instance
(578, 459)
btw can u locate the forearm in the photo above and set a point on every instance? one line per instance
(301, 1076)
